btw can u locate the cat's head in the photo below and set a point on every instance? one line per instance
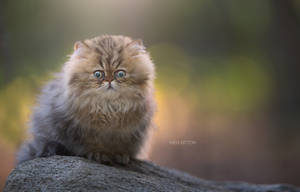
(108, 68)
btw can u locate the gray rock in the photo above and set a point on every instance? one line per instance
(61, 173)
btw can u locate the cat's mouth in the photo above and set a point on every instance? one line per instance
(110, 87)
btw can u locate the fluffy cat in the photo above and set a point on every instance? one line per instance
(100, 106)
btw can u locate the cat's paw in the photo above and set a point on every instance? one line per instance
(100, 158)
(103, 158)
(122, 159)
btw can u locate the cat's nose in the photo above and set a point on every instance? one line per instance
(109, 78)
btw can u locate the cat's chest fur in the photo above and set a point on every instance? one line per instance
(110, 127)
(117, 116)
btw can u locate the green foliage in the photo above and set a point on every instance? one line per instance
(239, 85)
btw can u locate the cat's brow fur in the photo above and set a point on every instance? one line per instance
(76, 114)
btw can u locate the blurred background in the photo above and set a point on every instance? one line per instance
(227, 78)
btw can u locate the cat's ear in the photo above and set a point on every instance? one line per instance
(139, 42)
(136, 43)
(80, 44)
(80, 48)
(137, 46)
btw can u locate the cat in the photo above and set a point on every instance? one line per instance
(100, 106)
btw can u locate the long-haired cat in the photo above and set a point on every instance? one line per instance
(100, 106)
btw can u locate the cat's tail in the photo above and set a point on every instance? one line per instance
(40, 147)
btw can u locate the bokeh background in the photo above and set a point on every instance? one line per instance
(227, 78)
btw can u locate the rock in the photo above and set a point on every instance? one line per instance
(62, 173)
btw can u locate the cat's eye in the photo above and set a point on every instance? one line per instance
(99, 74)
(120, 74)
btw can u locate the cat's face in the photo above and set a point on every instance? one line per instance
(109, 67)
